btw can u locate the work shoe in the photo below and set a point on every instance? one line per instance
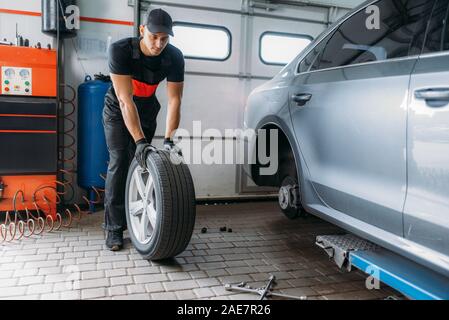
(114, 240)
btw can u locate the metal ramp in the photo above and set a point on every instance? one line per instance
(338, 247)
(411, 279)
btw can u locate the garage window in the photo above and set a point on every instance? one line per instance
(281, 48)
(204, 42)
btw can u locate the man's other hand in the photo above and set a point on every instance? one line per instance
(170, 146)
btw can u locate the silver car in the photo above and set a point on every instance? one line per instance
(363, 124)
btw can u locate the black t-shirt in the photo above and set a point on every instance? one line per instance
(121, 60)
(126, 58)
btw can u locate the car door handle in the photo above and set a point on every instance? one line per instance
(436, 94)
(301, 98)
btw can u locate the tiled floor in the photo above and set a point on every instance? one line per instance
(73, 264)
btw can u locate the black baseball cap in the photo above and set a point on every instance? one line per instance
(159, 20)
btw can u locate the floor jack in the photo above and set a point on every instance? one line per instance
(263, 292)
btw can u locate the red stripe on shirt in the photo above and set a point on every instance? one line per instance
(143, 90)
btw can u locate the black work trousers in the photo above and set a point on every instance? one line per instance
(121, 149)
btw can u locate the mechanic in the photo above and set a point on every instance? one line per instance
(137, 66)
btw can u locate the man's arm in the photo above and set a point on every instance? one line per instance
(124, 92)
(174, 92)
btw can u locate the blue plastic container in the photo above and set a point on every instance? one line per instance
(93, 154)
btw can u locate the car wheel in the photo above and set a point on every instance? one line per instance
(289, 198)
(160, 206)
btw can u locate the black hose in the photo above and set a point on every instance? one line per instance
(102, 77)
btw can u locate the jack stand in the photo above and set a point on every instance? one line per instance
(263, 292)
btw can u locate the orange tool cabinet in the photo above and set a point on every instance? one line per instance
(28, 127)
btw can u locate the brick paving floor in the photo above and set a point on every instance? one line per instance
(73, 263)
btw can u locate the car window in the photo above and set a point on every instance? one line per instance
(446, 31)
(312, 56)
(438, 24)
(394, 29)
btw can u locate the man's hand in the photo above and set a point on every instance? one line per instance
(170, 146)
(142, 150)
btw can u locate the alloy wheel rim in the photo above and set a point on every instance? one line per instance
(142, 205)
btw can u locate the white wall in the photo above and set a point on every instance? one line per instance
(217, 101)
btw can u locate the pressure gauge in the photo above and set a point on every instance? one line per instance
(24, 73)
(10, 73)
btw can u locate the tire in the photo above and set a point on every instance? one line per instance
(290, 211)
(166, 228)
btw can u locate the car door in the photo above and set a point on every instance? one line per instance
(426, 214)
(349, 111)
